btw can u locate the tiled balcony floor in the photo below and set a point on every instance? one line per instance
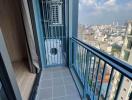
(57, 84)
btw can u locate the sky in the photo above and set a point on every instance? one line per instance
(94, 12)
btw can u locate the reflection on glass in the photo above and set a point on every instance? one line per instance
(2, 93)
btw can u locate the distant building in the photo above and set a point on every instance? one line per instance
(126, 55)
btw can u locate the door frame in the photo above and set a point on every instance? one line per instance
(25, 8)
(37, 30)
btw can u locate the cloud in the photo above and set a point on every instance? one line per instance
(97, 6)
(104, 11)
(129, 5)
(110, 2)
(88, 2)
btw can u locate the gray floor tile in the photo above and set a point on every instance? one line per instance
(71, 90)
(45, 84)
(47, 70)
(58, 91)
(45, 93)
(57, 69)
(68, 80)
(72, 98)
(57, 84)
(60, 98)
(56, 75)
(46, 76)
(66, 73)
(68, 98)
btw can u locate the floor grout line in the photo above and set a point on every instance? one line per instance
(64, 74)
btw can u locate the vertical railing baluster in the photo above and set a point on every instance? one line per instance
(56, 40)
(82, 66)
(78, 60)
(89, 62)
(59, 38)
(94, 64)
(103, 75)
(81, 75)
(70, 52)
(73, 55)
(97, 76)
(90, 58)
(85, 76)
(76, 66)
(119, 86)
(108, 87)
(87, 68)
(83, 61)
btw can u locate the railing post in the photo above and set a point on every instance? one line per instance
(70, 52)
(108, 87)
(85, 77)
(103, 75)
(119, 86)
(96, 79)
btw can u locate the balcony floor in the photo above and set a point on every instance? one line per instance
(57, 84)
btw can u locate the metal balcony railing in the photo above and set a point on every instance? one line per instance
(100, 75)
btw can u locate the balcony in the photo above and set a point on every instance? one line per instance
(63, 66)
(92, 74)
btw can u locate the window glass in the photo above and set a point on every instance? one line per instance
(2, 92)
(107, 26)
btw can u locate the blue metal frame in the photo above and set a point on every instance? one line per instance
(39, 29)
(117, 64)
(108, 87)
(82, 67)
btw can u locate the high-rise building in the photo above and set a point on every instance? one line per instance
(126, 54)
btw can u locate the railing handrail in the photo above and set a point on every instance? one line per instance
(116, 63)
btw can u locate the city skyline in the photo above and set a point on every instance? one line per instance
(104, 11)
